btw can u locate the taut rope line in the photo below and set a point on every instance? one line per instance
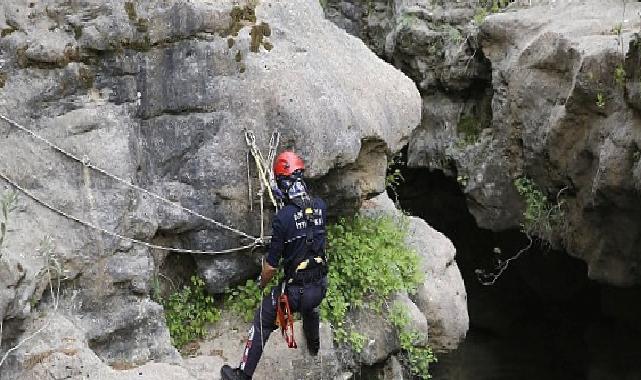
(116, 235)
(88, 164)
(85, 162)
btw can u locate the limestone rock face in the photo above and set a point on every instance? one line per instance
(393, 370)
(417, 320)
(561, 117)
(442, 297)
(381, 339)
(159, 94)
(61, 351)
(542, 90)
(278, 360)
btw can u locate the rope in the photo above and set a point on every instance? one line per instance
(249, 186)
(256, 241)
(85, 161)
(264, 170)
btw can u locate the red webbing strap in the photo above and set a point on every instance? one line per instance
(285, 320)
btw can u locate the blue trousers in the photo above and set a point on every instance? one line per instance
(303, 299)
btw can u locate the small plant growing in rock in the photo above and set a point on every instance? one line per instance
(600, 100)
(540, 215)
(453, 35)
(463, 180)
(540, 218)
(188, 311)
(356, 341)
(394, 177)
(7, 204)
(479, 16)
(418, 359)
(617, 29)
(469, 129)
(619, 75)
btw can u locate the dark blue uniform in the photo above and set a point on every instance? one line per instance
(291, 244)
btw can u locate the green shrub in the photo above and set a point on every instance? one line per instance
(356, 341)
(244, 299)
(540, 215)
(418, 359)
(479, 16)
(619, 75)
(188, 311)
(617, 29)
(469, 129)
(368, 260)
(492, 6)
(600, 100)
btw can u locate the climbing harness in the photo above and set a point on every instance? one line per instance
(256, 241)
(284, 318)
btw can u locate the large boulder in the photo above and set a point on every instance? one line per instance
(159, 94)
(59, 350)
(278, 360)
(442, 298)
(381, 337)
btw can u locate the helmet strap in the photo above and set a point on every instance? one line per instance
(293, 188)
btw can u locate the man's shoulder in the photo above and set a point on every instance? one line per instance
(290, 209)
(319, 203)
(286, 212)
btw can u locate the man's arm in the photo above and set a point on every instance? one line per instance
(266, 275)
(276, 246)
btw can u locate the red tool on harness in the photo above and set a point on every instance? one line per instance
(285, 319)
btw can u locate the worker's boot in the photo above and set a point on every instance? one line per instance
(310, 329)
(313, 342)
(313, 347)
(228, 373)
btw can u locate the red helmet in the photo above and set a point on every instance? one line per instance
(287, 163)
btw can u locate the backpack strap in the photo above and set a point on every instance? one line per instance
(306, 205)
(310, 259)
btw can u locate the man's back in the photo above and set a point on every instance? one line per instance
(290, 239)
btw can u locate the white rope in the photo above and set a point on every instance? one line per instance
(264, 170)
(249, 186)
(273, 146)
(85, 162)
(256, 241)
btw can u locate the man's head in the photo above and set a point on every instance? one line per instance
(288, 170)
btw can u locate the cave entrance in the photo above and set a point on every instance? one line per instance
(543, 318)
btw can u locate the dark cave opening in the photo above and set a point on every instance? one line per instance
(543, 318)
